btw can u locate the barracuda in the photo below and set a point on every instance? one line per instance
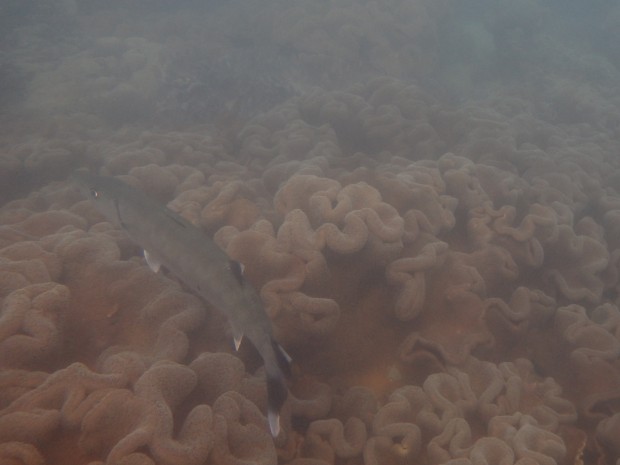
(171, 241)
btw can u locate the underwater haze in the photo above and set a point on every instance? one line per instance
(424, 193)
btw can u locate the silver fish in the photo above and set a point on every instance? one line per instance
(171, 241)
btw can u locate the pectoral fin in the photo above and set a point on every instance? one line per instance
(237, 271)
(152, 262)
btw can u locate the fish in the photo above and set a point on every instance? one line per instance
(188, 253)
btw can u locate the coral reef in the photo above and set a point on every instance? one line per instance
(448, 296)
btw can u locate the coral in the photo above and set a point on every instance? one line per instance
(31, 325)
(446, 283)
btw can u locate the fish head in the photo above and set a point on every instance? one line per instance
(104, 192)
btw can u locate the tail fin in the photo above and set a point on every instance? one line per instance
(277, 391)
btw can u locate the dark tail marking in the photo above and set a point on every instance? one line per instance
(277, 393)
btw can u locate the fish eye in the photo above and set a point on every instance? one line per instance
(94, 193)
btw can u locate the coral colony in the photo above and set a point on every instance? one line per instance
(428, 218)
(435, 309)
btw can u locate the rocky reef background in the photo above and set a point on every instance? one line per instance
(426, 194)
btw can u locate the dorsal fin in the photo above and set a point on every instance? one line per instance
(176, 218)
(118, 215)
(282, 358)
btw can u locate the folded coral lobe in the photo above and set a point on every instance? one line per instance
(447, 276)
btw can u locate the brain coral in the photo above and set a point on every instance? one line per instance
(449, 295)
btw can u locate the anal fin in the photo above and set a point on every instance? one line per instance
(237, 337)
